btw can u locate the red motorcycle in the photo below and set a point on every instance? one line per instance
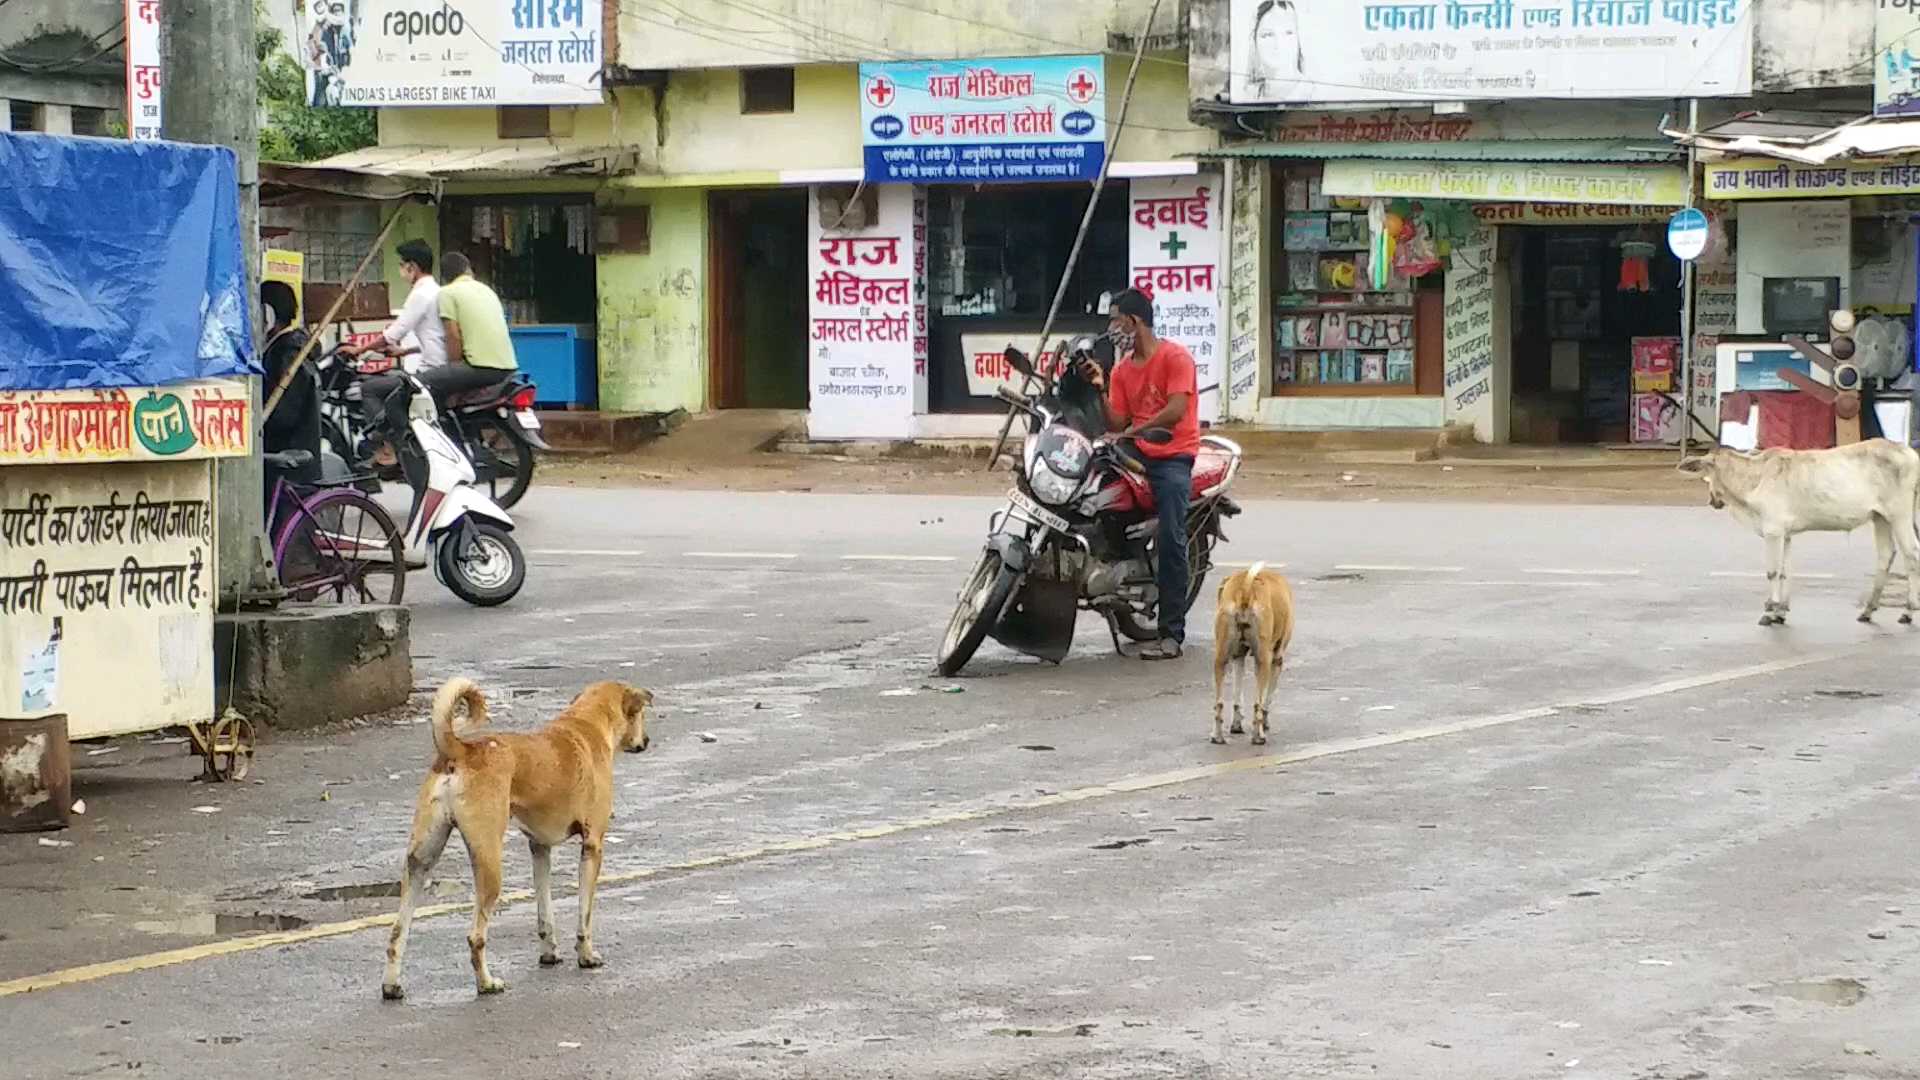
(1078, 528)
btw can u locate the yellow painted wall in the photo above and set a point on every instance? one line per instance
(627, 121)
(706, 132)
(673, 34)
(418, 221)
(707, 135)
(653, 309)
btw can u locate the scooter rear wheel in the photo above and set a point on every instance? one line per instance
(491, 570)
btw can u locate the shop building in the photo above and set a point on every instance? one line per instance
(1434, 227)
(1816, 213)
(720, 160)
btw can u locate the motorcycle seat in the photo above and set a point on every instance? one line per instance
(484, 395)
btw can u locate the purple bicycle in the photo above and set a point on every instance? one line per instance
(331, 541)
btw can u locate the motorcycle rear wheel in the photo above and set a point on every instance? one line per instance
(981, 603)
(1200, 563)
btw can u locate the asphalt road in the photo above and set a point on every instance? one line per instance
(1542, 801)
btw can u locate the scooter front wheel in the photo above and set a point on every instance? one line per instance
(491, 569)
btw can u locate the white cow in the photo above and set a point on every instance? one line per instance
(1780, 493)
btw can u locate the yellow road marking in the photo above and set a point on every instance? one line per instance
(1127, 786)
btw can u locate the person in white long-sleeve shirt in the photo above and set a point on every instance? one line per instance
(416, 338)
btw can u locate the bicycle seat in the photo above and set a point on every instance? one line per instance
(289, 459)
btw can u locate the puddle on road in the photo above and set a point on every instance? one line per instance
(214, 924)
(382, 890)
(1841, 992)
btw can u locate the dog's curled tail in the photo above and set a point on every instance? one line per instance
(445, 739)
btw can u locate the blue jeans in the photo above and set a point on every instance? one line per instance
(1172, 482)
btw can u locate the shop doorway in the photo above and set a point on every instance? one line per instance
(1581, 300)
(757, 299)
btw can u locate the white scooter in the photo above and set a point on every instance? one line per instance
(468, 536)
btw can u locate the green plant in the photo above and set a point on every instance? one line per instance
(290, 129)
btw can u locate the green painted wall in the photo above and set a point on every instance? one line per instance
(418, 221)
(653, 309)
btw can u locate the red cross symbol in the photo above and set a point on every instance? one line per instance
(1081, 86)
(880, 91)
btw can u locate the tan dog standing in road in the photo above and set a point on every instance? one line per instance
(556, 782)
(1254, 620)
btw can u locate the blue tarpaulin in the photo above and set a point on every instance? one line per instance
(120, 264)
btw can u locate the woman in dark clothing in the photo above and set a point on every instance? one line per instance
(294, 423)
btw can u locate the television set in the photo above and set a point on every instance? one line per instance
(1798, 305)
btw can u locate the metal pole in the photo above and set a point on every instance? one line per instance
(209, 68)
(1686, 296)
(1086, 219)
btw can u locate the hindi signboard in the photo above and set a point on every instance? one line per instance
(984, 121)
(1769, 178)
(1476, 50)
(1896, 69)
(390, 53)
(143, 69)
(182, 422)
(1508, 181)
(1174, 242)
(106, 595)
(863, 335)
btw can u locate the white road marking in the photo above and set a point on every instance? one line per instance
(820, 841)
(1535, 584)
(1396, 568)
(611, 553)
(739, 555)
(1559, 572)
(898, 558)
(1249, 566)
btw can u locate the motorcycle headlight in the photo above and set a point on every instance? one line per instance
(1050, 487)
(1057, 460)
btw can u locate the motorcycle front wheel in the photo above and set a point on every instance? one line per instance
(489, 572)
(981, 603)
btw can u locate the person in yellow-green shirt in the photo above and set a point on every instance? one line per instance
(479, 352)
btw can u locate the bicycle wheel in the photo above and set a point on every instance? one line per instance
(338, 546)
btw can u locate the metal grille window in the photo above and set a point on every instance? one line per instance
(333, 238)
(25, 116)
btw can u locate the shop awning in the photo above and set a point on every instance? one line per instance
(282, 184)
(1524, 150)
(484, 162)
(1808, 138)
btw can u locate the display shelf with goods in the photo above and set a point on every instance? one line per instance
(1332, 334)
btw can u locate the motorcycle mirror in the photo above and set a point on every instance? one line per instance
(1157, 436)
(1018, 361)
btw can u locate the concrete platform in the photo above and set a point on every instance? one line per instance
(301, 668)
(605, 432)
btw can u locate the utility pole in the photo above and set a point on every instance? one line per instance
(208, 71)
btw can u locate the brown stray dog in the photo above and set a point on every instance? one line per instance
(1255, 619)
(556, 782)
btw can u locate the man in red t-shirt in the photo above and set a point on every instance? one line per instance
(1154, 386)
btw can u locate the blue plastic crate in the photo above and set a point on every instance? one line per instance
(561, 361)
